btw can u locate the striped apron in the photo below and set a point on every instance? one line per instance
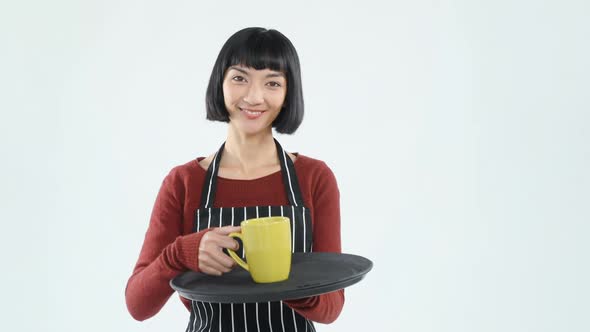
(261, 316)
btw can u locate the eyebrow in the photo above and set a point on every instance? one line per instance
(273, 74)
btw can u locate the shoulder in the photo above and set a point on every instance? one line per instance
(317, 179)
(315, 171)
(186, 168)
(307, 163)
(181, 175)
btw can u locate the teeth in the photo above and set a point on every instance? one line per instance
(251, 112)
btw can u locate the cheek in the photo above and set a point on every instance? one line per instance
(229, 95)
(277, 98)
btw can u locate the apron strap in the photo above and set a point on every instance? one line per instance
(210, 184)
(289, 177)
(287, 170)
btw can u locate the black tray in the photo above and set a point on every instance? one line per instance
(311, 274)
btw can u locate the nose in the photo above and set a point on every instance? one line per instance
(254, 95)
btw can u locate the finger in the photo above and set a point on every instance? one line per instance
(219, 241)
(212, 252)
(213, 262)
(225, 260)
(210, 271)
(226, 242)
(218, 259)
(227, 229)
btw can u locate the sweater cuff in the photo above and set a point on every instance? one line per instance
(188, 250)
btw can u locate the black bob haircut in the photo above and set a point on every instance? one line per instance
(259, 48)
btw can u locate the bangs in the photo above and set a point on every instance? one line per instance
(259, 51)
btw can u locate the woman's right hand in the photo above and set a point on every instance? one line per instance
(212, 259)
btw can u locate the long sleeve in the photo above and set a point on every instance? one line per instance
(170, 247)
(165, 253)
(324, 308)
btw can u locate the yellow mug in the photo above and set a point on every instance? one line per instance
(267, 247)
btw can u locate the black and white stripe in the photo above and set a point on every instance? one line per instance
(263, 316)
(289, 179)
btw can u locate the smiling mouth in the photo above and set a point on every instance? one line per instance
(251, 111)
(251, 114)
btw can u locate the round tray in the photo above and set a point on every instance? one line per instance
(311, 274)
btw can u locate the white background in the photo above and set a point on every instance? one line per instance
(457, 130)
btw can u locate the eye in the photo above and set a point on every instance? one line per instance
(238, 78)
(274, 84)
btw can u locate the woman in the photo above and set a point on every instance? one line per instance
(255, 86)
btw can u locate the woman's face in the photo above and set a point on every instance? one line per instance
(253, 97)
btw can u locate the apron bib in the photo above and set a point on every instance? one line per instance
(261, 316)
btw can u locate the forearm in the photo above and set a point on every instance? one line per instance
(323, 308)
(148, 288)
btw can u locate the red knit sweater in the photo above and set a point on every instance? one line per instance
(170, 247)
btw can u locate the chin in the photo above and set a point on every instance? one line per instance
(253, 130)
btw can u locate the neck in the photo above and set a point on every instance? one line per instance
(248, 152)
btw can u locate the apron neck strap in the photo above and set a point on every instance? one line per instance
(290, 180)
(210, 183)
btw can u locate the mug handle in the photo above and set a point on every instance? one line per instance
(233, 254)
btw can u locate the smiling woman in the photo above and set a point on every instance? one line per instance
(255, 86)
(253, 98)
(255, 58)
